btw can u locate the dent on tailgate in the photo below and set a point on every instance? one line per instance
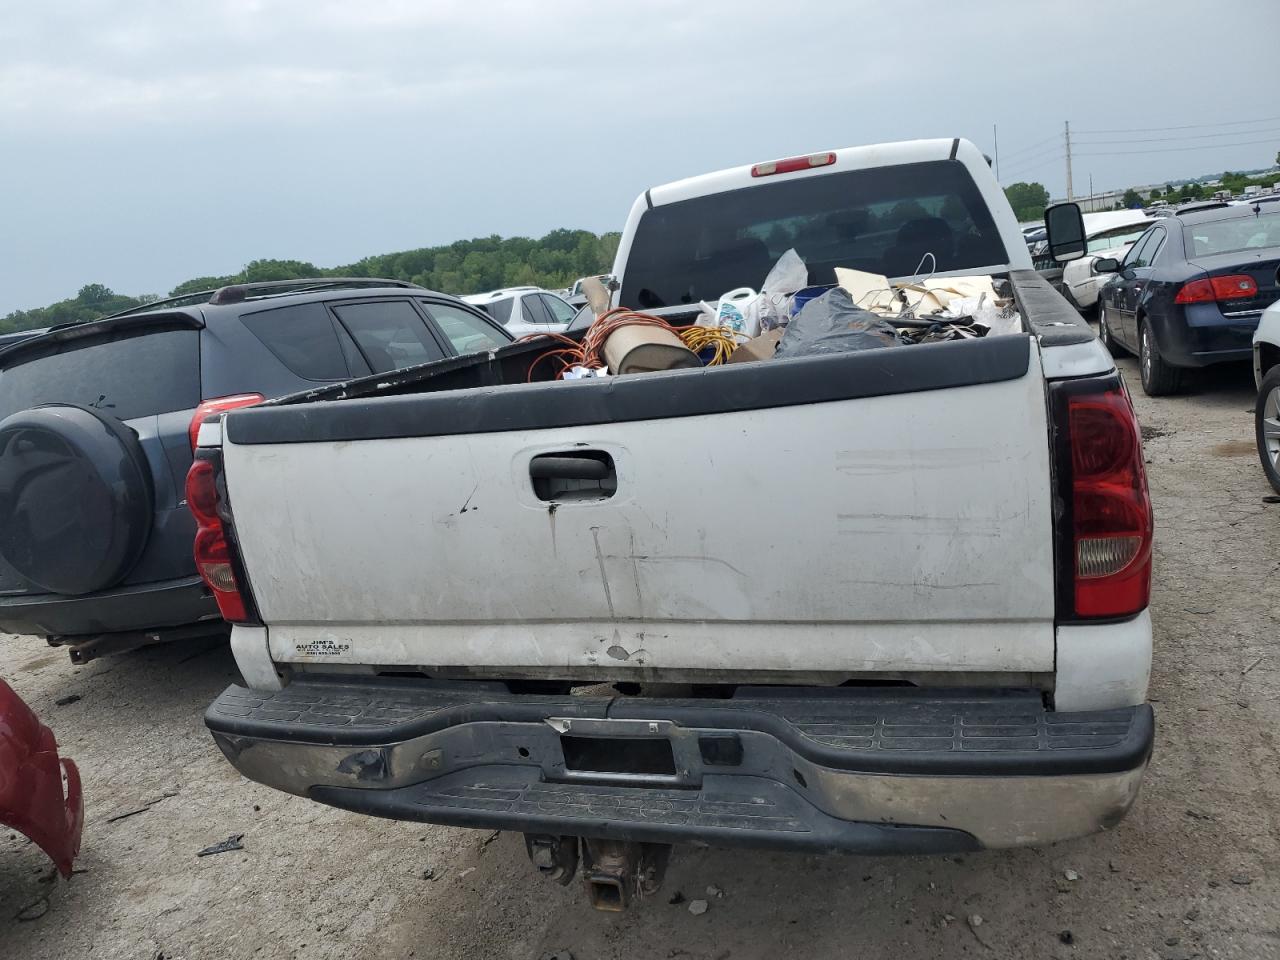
(32, 796)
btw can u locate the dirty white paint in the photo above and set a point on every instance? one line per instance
(603, 647)
(1102, 666)
(901, 532)
(249, 644)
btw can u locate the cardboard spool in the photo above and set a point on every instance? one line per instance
(646, 349)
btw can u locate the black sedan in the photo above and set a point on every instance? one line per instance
(1191, 289)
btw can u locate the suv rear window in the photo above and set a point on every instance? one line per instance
(303, 339)
(881, 220)
(128, 377)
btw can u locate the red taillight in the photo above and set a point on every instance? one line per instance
(1234, 287)
(213, 556)
(218, 405)
(1209, 289)
(1111, 510)
(792, 164)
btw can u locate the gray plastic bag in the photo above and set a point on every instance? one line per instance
(832, 323)
(772, 308)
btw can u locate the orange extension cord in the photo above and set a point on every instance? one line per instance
(589, 352)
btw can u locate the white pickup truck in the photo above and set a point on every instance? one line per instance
(890, 601)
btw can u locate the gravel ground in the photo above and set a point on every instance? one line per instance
(1193, 872)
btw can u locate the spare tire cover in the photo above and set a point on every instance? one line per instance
(76, 501)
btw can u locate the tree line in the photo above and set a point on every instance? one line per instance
(1029, 199)
(462, 267)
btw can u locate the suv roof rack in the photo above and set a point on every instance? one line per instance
(239, 292)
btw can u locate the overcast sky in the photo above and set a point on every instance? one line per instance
(145, 142)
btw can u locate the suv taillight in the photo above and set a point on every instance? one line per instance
(218, 405)
(212, 552)
(1111, 519)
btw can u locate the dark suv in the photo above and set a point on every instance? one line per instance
(97, 425)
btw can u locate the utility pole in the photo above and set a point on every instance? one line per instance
(1067, 126)
(995, 138)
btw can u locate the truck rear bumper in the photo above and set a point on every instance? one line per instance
(901, 771)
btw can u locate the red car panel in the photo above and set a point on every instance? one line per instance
(32, 799)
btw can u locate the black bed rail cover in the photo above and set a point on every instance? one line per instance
(1054, 321)
(651, 396)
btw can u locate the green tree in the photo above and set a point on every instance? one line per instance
(264, 271)
(1027, 199)
(94, 294)
(461, 267)
(199, 284)
(1235, 182)
(1155, 195)
(1131, 199)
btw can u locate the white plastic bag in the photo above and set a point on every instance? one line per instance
(773, 307)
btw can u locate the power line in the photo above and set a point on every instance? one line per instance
(1021, 150)
(1198, 136)
(1203, 146)
(1190, 126)
(1053, 151)
(1022, 171)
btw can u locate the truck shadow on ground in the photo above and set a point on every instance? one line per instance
(1013, 903)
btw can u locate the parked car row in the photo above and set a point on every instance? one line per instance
(1192, 287)
(1191, 290)
(1184, 288)
(163, 472)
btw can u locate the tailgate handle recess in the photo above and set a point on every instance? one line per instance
(551, 467)
(573, 475)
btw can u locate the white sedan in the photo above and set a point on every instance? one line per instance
(1109, 235)
(525, 310)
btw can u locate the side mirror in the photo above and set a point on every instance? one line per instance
(1064, 226)
(1106, 265)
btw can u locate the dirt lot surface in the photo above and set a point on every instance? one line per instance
(1193, 872)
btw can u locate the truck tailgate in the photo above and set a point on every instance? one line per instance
(892, 530)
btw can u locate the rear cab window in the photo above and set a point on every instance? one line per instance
(131, 374)
(882, 220)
